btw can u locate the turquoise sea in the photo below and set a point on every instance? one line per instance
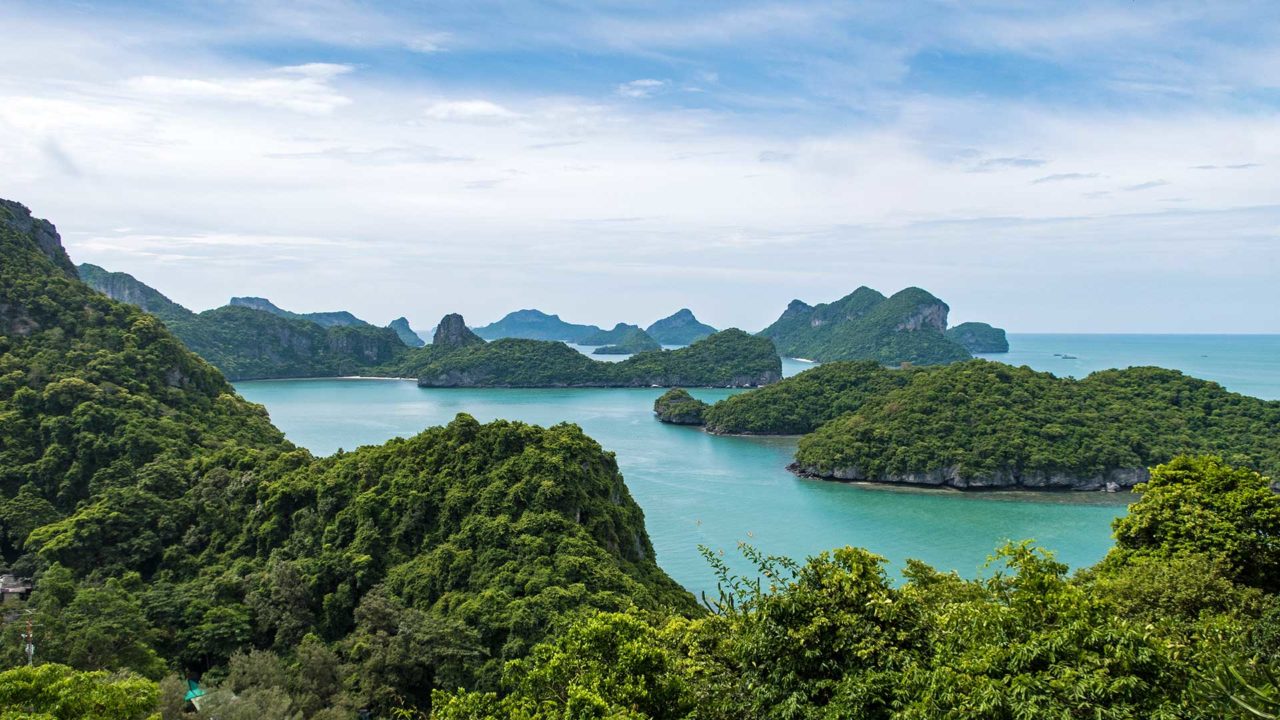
(698, 489)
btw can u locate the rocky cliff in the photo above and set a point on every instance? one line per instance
(406, 334)
(17, 216)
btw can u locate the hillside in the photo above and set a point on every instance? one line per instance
(730, 358)
(908, 327)
(337, 318)
(535, 325)
(407, 334)
(982, 424)
(170, 526)
(249, 344)
(679, 328)
(609, 337)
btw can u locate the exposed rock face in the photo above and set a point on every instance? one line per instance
(1111, 480)
(678, 407)
(682, 328)
(452, 332)
(45, 235)
(126, 288)
(979, 337)
(406, 334)
(931, 315)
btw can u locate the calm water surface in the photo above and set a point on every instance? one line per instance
(698, 489)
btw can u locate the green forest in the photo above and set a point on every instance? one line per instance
(729, 358)
(989, 423)
(502, 570)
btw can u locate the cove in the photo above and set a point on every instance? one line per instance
(697, 489)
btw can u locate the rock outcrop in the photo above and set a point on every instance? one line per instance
(1110, 481)
(452, 332)
(42, 232)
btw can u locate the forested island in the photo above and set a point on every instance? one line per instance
(252, 339)
(679, 328)
(981, 424)
(908, 327)
(502, 570)
(730, 358)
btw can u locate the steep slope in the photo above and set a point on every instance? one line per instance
(337, 318)
(535, 325)
(907, 327)
(170, 525)
(679, 328)
(406, 334)
(128, 289)
(249, 344)
(978, 337)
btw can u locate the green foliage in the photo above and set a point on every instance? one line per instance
(258, 340)
(679, 407)
(865, 325)
(1200, 506)
(977, 337)
(58, 692)
(982, 423)
(630, 341)
(802, 403)
(535, 325)
(730, 358)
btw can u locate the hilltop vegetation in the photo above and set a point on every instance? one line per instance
(979, 337)
(982, 424)
(502, 570)
(678, 407)
(730, 358)
(679, 328)
(338, 318)
(246, 341)
(908, 327)
(170, 526)
(535, 325)
(632, 341)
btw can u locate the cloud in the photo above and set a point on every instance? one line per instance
(59, 158)
(300, 88)
(1239, 166)
(1006, 163)
(1145, 185)
(775, 156)
(1062, 177)
(427, 43)
(392, 155)
(470, 111)
(642, 88)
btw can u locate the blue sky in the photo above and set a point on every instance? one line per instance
(1108, 167)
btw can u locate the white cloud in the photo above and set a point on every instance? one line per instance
(300, 88)
(473, 111)
(643, 88)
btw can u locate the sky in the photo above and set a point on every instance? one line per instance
(1045, 167)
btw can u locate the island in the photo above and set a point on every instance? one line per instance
(907, 327)
(677, 407)
(730, 358)
(252, 339)
(535, 325)
(979, 337)
(630, 341)
(679, 328)
(982, 424)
